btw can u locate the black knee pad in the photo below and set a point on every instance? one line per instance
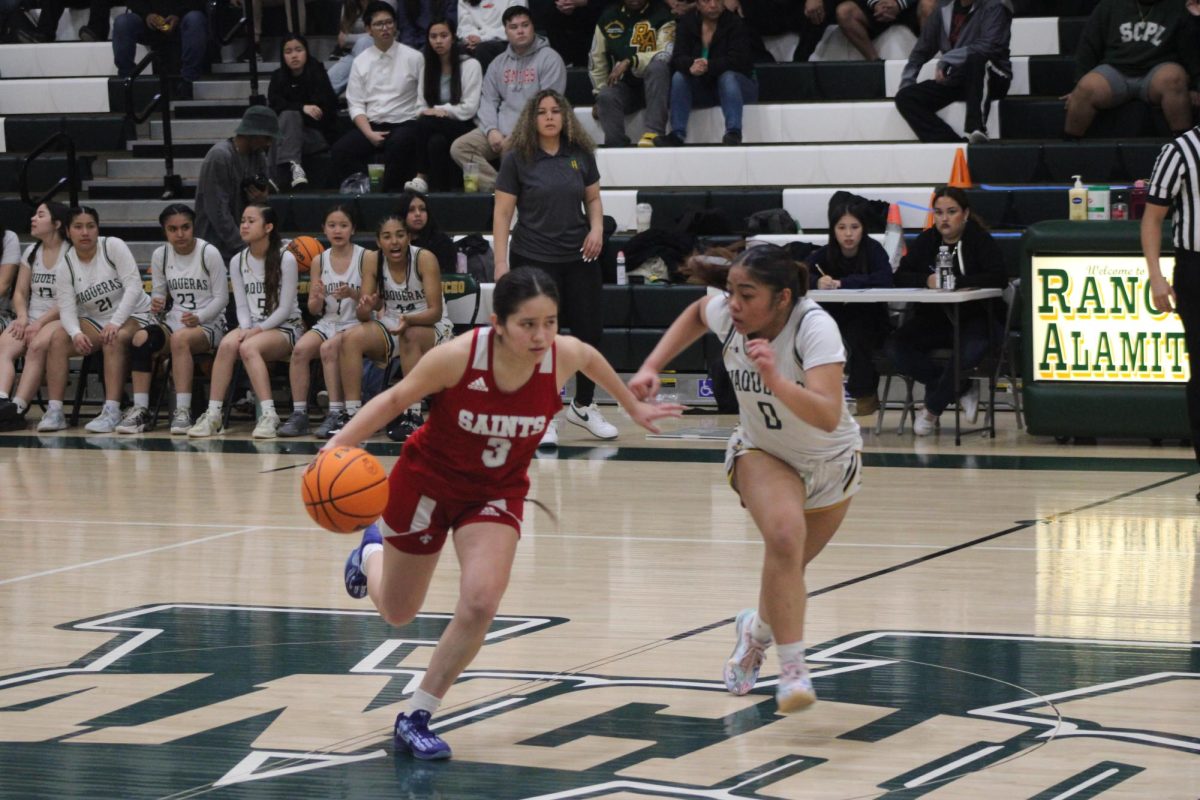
(140, 355)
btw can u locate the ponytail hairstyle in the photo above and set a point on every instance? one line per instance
(78, 211)
(518, 285)
(60, 214)
(172, 210)
(768, 264)
(343, 208)
(838, 263)
(391, 217)
(432, 90)
(273, 261)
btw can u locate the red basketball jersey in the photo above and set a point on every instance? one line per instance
(478, 441)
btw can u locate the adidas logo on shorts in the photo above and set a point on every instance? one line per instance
(479, 384)
(488, 511)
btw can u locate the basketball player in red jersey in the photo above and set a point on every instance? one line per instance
(466, 470)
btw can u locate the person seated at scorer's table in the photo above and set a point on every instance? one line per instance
(978, 264)
(853, 260)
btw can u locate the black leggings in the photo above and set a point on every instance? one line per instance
(1186, 283)
(580, 306)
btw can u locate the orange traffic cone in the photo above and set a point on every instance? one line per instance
(893, 238)
(929, 216)
(960, 175)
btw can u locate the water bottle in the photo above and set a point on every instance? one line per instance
(945, 268)
(621, 277)
(1137, 199)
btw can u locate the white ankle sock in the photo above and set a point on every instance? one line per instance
(368, 551)
(791, 653)
(352, 406)
(53, 405)
(22, 406)
(422, 701)
(141, 399)
(3, 395)
(299, 408)
(336, 405)
(183, 401)
(111, 405)
(268, 405)
(215, 406)
(760, 630)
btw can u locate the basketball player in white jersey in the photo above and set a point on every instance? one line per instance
(333, 293)
(101, 304)
(190, 275)
(795, 456)
(10, 259)
(264, 278)
(402, 285)
(35, 324)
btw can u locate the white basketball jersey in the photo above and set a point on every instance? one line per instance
(256, 289)
(809, 339)
(341, 312)
(98, 286)
(188, 281)
(41, 288)
(407, 297)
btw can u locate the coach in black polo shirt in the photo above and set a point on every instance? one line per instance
(1175, 186)
(549, 177)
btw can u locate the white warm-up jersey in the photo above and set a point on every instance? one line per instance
(809, 339)
(407, 297)
(341, 312)
(252, 304)
(107, 289)
(41, 284)
(197, 283)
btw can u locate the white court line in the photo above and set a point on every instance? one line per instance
(953, 765)
(1094, 780)
(127, 555)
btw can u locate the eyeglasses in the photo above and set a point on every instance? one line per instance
(383, 24)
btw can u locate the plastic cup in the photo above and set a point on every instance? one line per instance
(470, 177)
(644, 213)
(375, 173)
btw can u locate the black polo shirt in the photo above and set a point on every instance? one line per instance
(551, 220)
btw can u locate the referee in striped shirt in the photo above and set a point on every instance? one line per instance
(1175, 187)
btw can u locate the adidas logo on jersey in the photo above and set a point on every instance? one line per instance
(479, 384)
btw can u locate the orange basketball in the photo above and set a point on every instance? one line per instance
(344, 489)
(305, 249)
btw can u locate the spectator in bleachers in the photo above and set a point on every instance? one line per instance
(102, 304)
(626, 70)
(978, 264)
(713, 63)
(549, 177)
(481, 29)
(37, 326)
(298, 25)
(352, 39)
(853, 260)
(423, 230)
(568, 25)
(178, 28)
(815, 17)
(302, 97)
(234, 173)
(1133, 50)
(96, 29)
(383, 100)
(863, 20)
(413, 18)
(528, 66)
(453, 85)
(972, 37)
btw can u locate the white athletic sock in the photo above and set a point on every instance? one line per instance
(336, 405)
(760, 630)
(791, 653)
(23, 406)
(422, 701)
(215, 406)
(141, 399)
(368, 551)
(184, 401)
(299, 407)
(3, 395)
(53, 405)
(352, 406)
(111, 405)
(268, 405)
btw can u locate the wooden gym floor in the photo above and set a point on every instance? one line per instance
(1007, 619)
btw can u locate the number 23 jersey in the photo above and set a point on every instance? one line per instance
(810, 338)
(478, 441)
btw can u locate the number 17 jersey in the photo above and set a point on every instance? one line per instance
(478, 441)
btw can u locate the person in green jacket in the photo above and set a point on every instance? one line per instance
(1135, 50)
(630, 68)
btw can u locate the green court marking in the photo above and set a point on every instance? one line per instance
(302, 448)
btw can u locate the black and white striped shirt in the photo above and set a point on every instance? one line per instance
(1175, 182)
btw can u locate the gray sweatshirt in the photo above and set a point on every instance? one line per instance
(986, 32)
(512, 80)
(219, 198)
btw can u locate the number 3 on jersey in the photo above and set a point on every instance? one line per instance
(496, 452)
